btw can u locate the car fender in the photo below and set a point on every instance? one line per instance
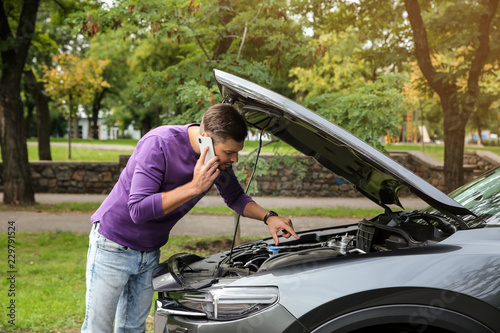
(418, 317)
(417, 307)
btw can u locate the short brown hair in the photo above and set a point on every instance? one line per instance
(223, 121)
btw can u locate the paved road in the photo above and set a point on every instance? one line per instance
(192, 224)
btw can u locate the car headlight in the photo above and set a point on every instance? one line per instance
(227, 303)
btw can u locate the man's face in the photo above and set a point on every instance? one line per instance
(227, 152)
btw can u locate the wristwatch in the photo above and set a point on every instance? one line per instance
(268, 215)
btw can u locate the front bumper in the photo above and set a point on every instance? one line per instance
(273, 319)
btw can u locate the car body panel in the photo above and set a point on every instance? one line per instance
(440, 266)
(281, 321)
(372, 173)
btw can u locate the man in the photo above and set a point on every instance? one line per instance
(163, 179)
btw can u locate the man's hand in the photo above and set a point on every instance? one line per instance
(277, 224)
(204, 175)
(274, 223)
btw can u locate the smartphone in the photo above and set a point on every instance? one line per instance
(205, 141)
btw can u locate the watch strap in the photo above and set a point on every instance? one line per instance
(268, 215)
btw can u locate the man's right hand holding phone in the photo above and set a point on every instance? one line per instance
(204, 175)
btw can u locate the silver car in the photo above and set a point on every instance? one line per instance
(434, 270)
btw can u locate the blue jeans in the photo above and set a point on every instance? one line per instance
(119, 286)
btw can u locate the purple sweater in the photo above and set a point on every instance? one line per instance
(132, 214)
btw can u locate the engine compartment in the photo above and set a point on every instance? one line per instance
(385, 232)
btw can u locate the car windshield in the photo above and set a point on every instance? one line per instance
(482, 197)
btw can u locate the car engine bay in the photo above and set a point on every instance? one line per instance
(385, 232)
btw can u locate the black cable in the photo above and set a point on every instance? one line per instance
(246, 190)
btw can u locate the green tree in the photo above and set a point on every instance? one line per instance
(257, 41)
(73, 83)
(341, 88)
(462, 30)
(378, 27)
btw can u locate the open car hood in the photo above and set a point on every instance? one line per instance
(371, 172)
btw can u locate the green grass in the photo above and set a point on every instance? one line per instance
(60, 154)
(59, 150)
(280, 147)
(128, 142)
(50, 280)
(436, 151)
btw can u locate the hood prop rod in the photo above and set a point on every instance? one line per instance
(246, 190)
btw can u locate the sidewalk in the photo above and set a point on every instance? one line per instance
(191, 224)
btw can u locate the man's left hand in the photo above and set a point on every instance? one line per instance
(283, 224)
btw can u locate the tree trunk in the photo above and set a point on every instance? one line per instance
(89, 128)
(454, 143)
(479, 134)
(42, 115)
(70, 125)
(30, 106)
(18, 188)
(146, 124)
(223, 43)
(76, 128)
(69, 139)
(96, 106)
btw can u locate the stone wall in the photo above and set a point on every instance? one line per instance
(311, 180)
(74, 177)
(307, 178)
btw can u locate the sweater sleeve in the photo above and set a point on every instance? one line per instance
(145, 198)
(231, 191)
